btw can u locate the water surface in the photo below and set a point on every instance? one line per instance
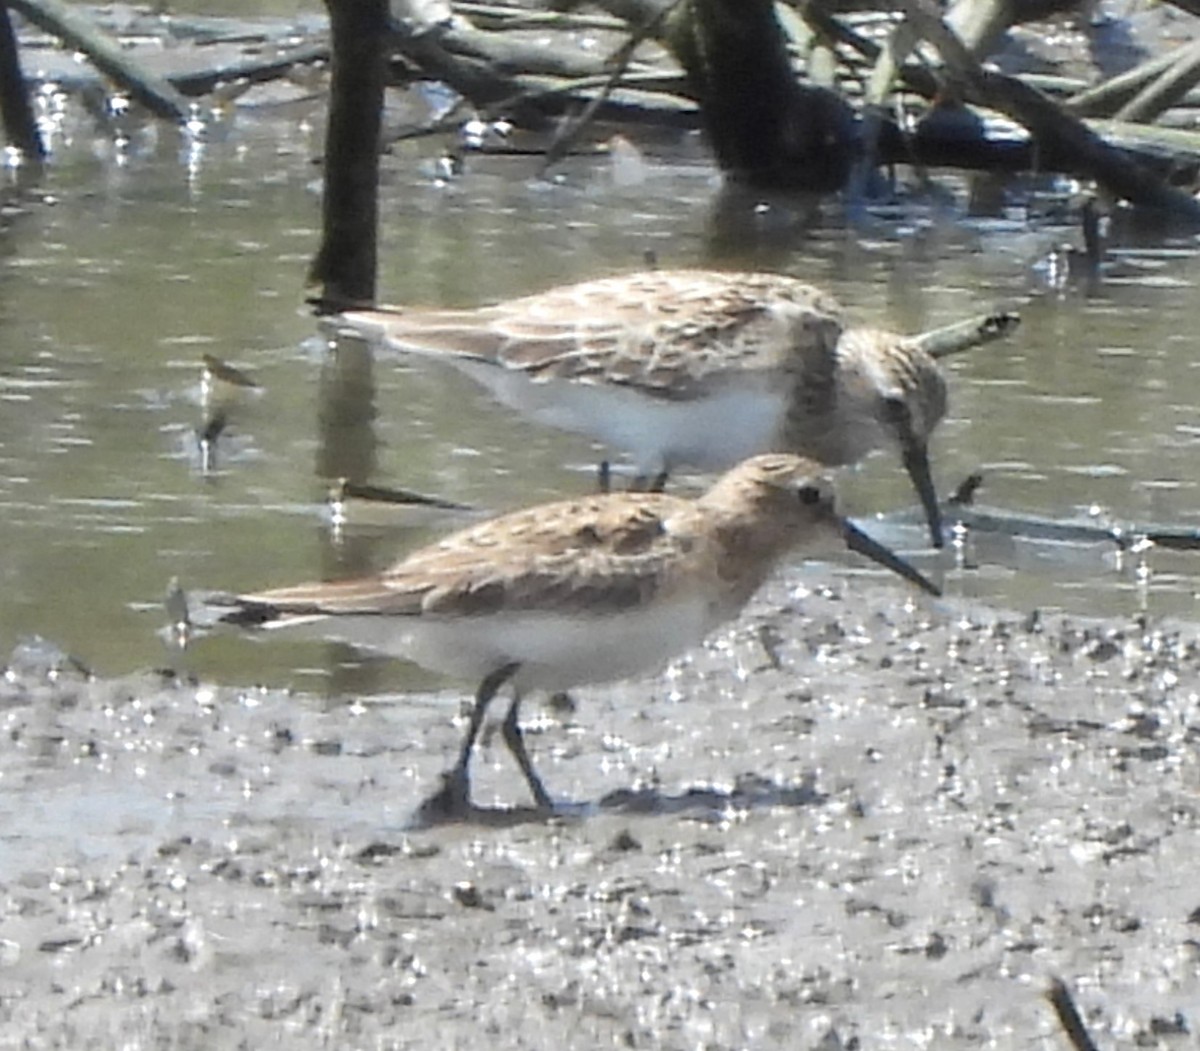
(124, 266)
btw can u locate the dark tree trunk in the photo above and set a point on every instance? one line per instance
(19, 122)
(766, 129)
(343, 273)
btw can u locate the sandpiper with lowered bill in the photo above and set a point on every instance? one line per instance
(579, 591)
(693, 367)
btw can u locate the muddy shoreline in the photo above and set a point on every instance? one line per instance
(889, 826)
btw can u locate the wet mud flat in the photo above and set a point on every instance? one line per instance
(852, 820)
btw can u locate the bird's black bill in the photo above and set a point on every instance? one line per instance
(857, 540)
(916, 462)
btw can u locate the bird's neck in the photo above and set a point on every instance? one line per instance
(750, 538)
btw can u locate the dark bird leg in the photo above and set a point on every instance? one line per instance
(646, 484)
(453, 799)
(516, 744)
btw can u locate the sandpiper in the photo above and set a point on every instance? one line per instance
(578, 591)
(693, 367)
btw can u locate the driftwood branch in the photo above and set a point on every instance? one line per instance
(570, 132)
(1071, 145)
(1063, 142)
(1103, 100)
(1171, 86)
(509, 56)
(1167, 147)
(250, 70)
(75, 30)
(504, 74)
(474, 76)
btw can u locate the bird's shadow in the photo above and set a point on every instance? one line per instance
(749, 792)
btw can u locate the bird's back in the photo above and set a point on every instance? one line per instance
(668, 333)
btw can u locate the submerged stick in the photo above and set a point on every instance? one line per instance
(960, 507)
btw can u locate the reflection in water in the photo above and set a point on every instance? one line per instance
(756, 230)
(346, 443)
(347, 448)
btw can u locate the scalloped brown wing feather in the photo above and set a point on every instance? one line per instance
(595, 555)
(669, 333)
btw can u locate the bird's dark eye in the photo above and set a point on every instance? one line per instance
(810, 495)
(895, 410)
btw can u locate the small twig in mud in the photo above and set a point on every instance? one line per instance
(1068, 1015)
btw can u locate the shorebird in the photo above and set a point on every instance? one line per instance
(579, 591)
(692, 367)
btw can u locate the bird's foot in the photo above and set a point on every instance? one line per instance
(451, 802)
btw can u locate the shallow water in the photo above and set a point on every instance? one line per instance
(908, 819)
(123, 267)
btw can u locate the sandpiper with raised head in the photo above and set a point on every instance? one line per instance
(577, 591)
